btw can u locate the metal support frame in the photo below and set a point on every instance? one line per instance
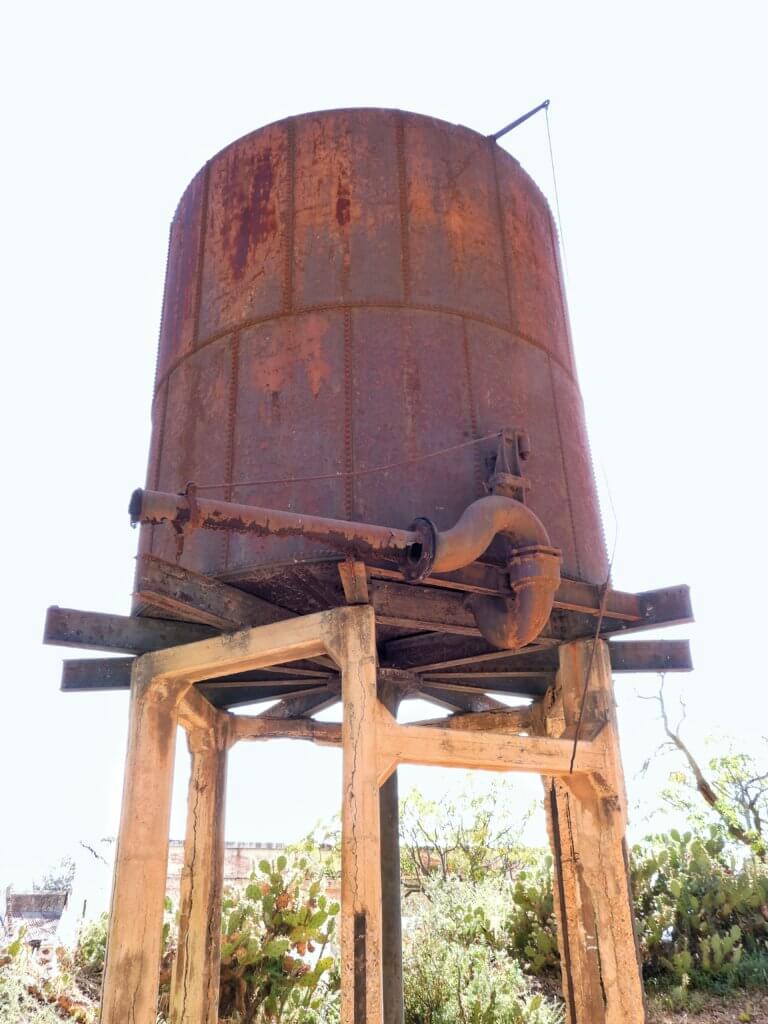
(373, 744)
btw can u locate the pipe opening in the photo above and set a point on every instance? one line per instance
(134, 506)
(415, 551)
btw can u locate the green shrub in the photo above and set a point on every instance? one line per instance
(530, 921)
(92, 945)
(702, 914)
(698, 909)
(276, 963)
(28, 995)
(456, 964)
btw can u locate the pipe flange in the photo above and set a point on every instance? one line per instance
(134, 508)
(420, 556)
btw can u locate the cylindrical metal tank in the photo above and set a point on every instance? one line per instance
(351, 289)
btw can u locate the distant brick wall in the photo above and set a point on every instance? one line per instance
(44, 904)
(240, 859)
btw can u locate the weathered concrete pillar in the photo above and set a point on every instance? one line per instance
(132, 968)
(196, 969)
(361, 937)
(586, 817)
(391, 918)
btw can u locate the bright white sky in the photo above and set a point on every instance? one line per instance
(658, 114)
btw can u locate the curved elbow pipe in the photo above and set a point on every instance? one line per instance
(534, 568)
(479, 524)
(512, 623)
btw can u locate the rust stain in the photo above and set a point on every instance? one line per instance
(343, 201)
(256, 219)
(281, 363)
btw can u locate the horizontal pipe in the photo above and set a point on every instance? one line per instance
(507, 623)
(462, 544)
(360, 539)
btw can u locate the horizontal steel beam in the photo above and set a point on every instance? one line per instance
(625, 655)
(527, 674)
(98, 631)
(429, 650)
(483, 578)
(189, 595)
(89, 675)
(534, 685)
(650, 656)
(458, 698)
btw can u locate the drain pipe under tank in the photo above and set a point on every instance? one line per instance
(508, 623)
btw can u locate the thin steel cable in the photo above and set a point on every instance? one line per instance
(340, 475)
(588, 675)
(557, 194)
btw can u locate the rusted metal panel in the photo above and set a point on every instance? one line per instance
(535, 285)
(288, 416)
(592, 561)
(249, 210)
(195, 441)
(456, 255)
(402, 391)
(178, 327)
(350, 289)
(347, 231)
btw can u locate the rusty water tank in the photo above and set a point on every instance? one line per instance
(355, 288)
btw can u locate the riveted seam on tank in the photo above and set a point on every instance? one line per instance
(290, 217)
(160, 445)
(163, 312)
(591, 463)
(476, 455)
(502, 230)
(231, 427)
(343, 170)
(349, 455)
(402, 188)
(373, 304)
(555, 243)
(201, 256)
(565, 468)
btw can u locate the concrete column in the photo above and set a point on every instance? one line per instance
(132, 969)
(586, 817)
(361, 941)
(391, 920)
(195, 978)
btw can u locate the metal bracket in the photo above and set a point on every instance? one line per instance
(190, 493)
(507, 477)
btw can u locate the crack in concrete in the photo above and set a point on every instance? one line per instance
(599, 960)
(191, 895)
(356, 808)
